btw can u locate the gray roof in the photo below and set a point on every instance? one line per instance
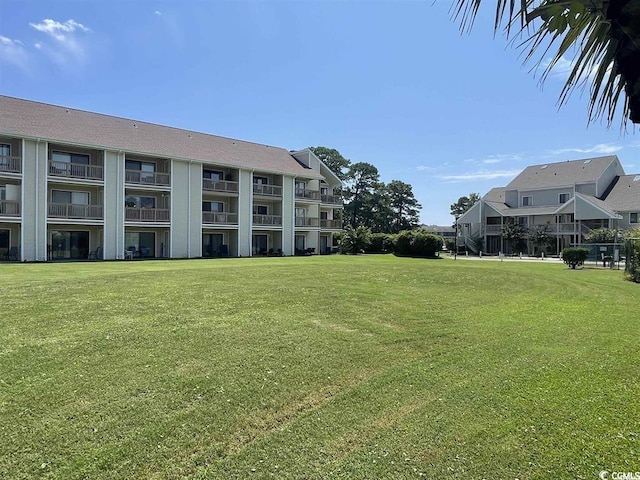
(562, 173)
(495, 195)
(25, 118)
(625, 194)
(522, 211)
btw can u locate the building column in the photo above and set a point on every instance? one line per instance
(34, 201)
(113, 206)
(245, 212)
(288, 215)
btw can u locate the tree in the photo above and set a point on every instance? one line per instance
(601, 235)
(355, 240)
(334, 160)
(404, 206)
(541, 237)
(363, 180)
(464, 204)
(515, 234)
(604, 34)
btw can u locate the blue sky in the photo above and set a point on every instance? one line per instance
(391, 83)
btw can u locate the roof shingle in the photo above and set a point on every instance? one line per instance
(25, 118)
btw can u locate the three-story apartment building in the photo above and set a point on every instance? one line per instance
(81, 185)
(569, 199)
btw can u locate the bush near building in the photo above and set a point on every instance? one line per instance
(574, 256)
(417, 243)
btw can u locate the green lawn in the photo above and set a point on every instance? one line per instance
(317, 367)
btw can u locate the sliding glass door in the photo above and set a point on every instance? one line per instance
(69, 244)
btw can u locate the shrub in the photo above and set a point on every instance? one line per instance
(632, 266)
(573, 256)
(417, 243)
(380, 243)
(601, 235)
(355, 240)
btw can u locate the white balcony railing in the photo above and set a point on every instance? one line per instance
(75, 170)
(134, 214)
(306, 222)
(10, 164)
(271, 190)
(331, 224)
(267, 220)
(307, 194)
(75, 210)
(219, 185)
(222, 218)
(9, 208)
(331, 199)
(140, 177)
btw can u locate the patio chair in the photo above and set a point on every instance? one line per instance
(96, 254)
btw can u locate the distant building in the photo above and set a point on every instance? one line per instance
(447, 232)
(570, 198)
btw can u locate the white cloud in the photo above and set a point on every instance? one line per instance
(65, 36)
(563, 68)
(425, 168)
(480, 175)
(13, 52)
(158, 12)
(601, 148)
(58, 30)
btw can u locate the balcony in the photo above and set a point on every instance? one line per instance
(10, 164)
(75, 210)
(267, 220)
(9, 208)
(331, 224)
(140, 177)
(219, 185)
(331, 199)
(271, 190)
(134, 214)
(306, 222)
(75, 170)
(307, 194)
(220, 218)
(493, 229)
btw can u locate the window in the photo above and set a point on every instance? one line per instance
(5, 152)
(324, 215)
(563, 198)
(259, 244)
(301, 212)
(66, 157)
(324, 191)
(142, 244)
(527, 201)
(260, 180)
(76, 198)
(301, 185)
(523, 221)
(4, 241)
(134, 201)
(213, 175)
(260, 210)
(212, 207)
(3, 193)
(69, 244)
(633, 217)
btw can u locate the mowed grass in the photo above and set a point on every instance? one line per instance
(317, 367)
